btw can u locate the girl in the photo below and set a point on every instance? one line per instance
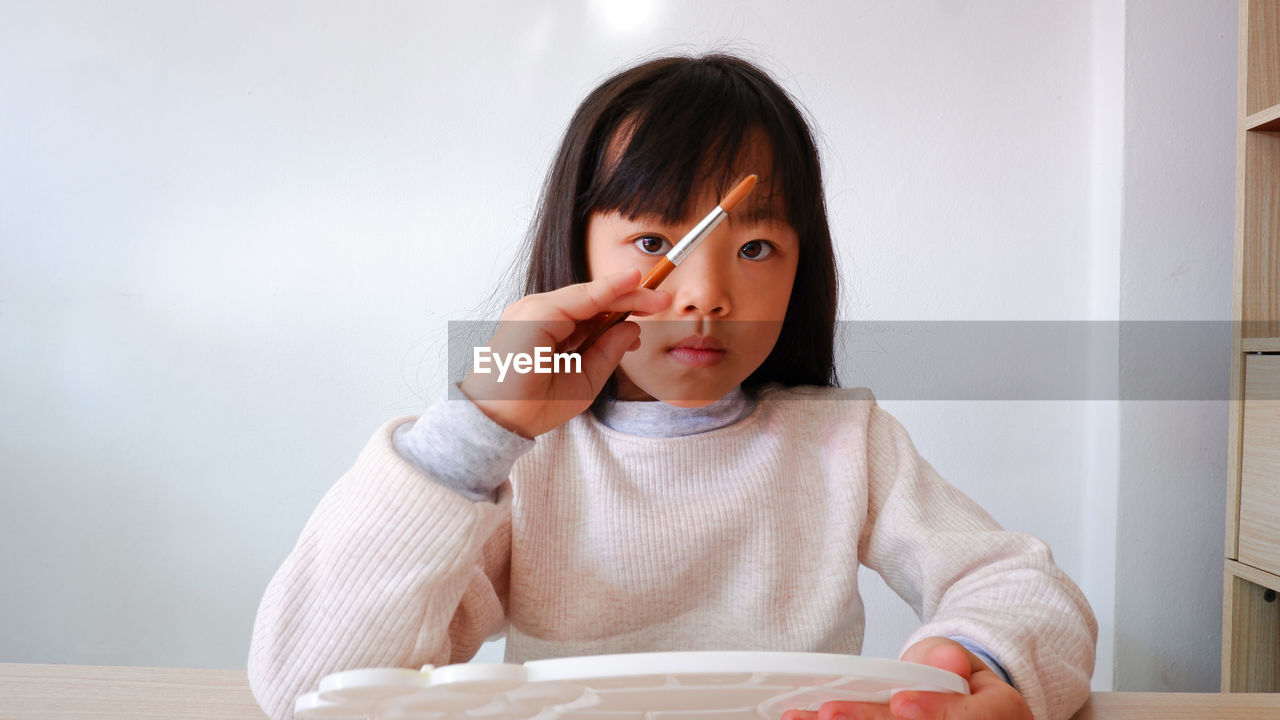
(701, 483)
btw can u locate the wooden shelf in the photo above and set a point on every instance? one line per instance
(1250, 608)
(1264, 121)
(1261, 578)
(1250, 630)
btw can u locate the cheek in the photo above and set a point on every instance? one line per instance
(782, 296)
(786, 287)
(765, 337)
(606, 259)
(770, 292)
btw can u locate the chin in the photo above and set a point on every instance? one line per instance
(683, 387)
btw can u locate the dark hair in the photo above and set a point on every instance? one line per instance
(686, 121)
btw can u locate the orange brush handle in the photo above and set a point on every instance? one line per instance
(603, 322)
(686, 245)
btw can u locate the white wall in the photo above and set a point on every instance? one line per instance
(1176, 263)
(231, 235)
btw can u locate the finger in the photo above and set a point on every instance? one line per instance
(800, 715)
(847, 710)
(561, 313)
(989, 696)
(585, 300)
(577, 340)
(602, 358)
(986, 681)
(580, 332)
(642, 301)
(914, 705)
(943, 653)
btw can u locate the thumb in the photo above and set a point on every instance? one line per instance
(951, 658)
(943, 653)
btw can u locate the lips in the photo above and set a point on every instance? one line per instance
(700, 342)
(697, 351)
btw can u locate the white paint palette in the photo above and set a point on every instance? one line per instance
(639, 686)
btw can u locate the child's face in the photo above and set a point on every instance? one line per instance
(729, 298)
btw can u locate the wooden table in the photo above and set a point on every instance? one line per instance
(45, 692)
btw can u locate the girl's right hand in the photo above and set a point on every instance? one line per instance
(533, 403)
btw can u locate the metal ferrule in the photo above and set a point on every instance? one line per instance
(691, 240)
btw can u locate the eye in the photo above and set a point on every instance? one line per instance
(652, 245)
(756, 250)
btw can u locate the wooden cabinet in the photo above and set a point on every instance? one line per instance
(1251, 612)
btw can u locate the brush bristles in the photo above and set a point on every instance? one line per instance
(739, 191)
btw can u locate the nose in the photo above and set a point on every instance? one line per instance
(701, 285)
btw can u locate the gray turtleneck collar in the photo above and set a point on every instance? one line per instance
(657, 419)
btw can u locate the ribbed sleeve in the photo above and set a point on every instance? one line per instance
(965, 576)
(458, 446)
(391, 570)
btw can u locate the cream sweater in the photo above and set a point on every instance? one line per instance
(746, 537)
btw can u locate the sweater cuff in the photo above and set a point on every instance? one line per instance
(455, 444)
(984, 656)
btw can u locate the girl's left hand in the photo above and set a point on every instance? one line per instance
(989, 698)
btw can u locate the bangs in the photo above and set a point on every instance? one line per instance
(695, 128)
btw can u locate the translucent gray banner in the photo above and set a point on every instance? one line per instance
(991, 360)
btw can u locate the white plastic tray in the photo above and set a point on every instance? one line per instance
(640, 686)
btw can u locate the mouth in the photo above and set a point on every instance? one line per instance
(697, 351)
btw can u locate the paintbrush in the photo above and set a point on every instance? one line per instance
(687, 244)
